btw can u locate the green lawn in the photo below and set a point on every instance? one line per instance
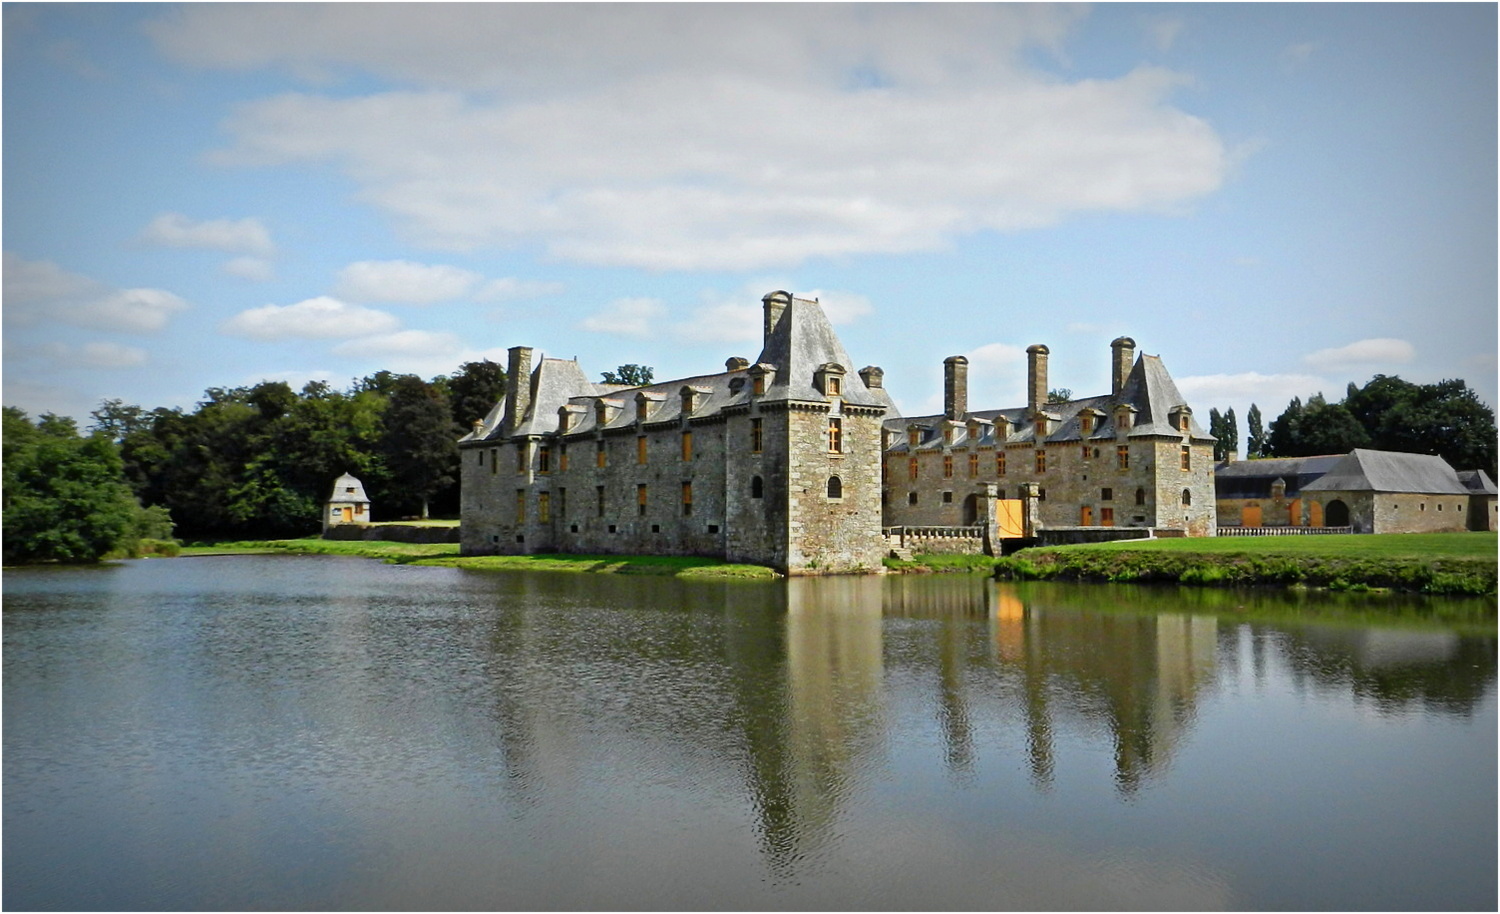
(1382, 545)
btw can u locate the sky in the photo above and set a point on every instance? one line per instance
(1276, 199)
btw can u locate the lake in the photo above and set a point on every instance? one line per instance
(335, 733)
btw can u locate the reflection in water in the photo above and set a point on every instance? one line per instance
(433, 738)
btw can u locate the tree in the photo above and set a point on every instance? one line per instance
(418, 443)
(65, 496)
(1231, 434)
(1329, 428)
(1216, 429)
(1447, 419)
(631, 375)
(1059, 395)
(473, 391)
(1255, 445)
(1284, 438)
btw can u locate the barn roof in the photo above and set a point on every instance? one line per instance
(1363, 470)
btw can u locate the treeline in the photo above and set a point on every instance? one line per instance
(1388, 414)
(260, 461)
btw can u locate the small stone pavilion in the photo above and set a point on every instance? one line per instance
(347, 505)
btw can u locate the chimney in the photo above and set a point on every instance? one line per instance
(873, 376)
(1036, 377)
(517, 387)
(736, 363)
(955, 387)
(1123, 359)
(775, 303)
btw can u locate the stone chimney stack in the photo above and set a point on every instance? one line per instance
(873, 376)
(517, 387)
(956, 387)
(1036, 377)
(1123, 359)
(775, 303)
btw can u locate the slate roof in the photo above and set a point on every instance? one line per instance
(801, 342)
(340, 496)
(1149, 389)
(1363, 470)
(1254, 478)
(1477, 482)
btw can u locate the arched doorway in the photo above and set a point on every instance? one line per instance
(971, 510)
(1336, 514)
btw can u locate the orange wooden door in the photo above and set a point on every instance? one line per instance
(1250, 516)
(1008, 518)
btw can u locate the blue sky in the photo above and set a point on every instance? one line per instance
(1276, 199)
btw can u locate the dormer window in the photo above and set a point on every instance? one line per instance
(564, 419)
(689, 399)
(829, 378)
(760, 378)
(1085, 424)
(1041, 425)
(913, 437)
(1002, 429)
(1123, 414)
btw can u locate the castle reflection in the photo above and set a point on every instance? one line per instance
(792, 694)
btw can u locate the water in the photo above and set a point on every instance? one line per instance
(285, 732)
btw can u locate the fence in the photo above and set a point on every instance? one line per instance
(938, 539)
(1281, 531)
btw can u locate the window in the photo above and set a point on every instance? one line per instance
(494, 461)
(999, 463)
(520, 506)
(948, 435)
(1122, 456)
(911, 468)
(523, 456)
(1182, 421)
(973, 464)
(947, 466)
(359, 510)
(687, 445)
(687, 499)
(599, 496)
(835, 487)
(544, 507)
(1041, 461)
(1140, 496)
(562, 458)
(1085, 452)
(835, 436)
(913, 437)
(1106, 494)
(947, 498)
(758, 385)
(544, 459)
(755, 436)
(1187, 457)
(601, 457)
(757, 488)
(1085, 424)
(1187, 497)
(640, 499)
(833, 384)
(911, 498)
(640, 449)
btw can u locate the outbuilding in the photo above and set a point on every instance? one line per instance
(348, 504)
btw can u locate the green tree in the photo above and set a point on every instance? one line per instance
(1284, 438)
(65, 496)
(1255, 445)
(1216, 429)
(473, 391)
(1447, 419)
(1231, 433)
(631, 375)
(420, 450)
(1059, 395)
(1329, 428)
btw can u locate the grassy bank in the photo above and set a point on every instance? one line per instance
(1434, 563)
(446, 554)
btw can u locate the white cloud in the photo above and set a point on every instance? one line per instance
(658, 137)
(40, 291)
(405, 282)
(722, 322)
(235, 236)
(626, 317)
(1271, 392)
(1164, 33)
(315, 318)
(256, 269)
(96, 355)
(420, 352)
(841, 307)
(510, 289)
(1364, 353)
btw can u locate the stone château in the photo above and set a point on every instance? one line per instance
(796, 462)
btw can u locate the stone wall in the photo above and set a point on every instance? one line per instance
(395, 533)
(1148, 492)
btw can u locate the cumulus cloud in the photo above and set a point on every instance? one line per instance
(234, 236)
(96, 355)
(633, 317)
(841, 307)
(255, 269)
(405, 282)
(658, 137)
(40, 291)
(403, 343)
(1362, 354)
(315, 318)
(510, 289)
(1271, 391)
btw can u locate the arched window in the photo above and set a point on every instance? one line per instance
(1187, 497)
(1140, 496)
(757, 488)
(835, 487)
